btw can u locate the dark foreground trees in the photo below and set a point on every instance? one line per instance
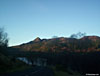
(81, 62)
(7, 63)
(3, 40)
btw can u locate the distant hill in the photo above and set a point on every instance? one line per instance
(60, 44)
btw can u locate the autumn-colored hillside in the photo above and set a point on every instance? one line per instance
(84, 44)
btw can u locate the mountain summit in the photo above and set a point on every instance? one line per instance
(37, 39)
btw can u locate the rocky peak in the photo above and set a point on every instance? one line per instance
(37, 39)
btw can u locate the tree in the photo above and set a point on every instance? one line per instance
(78, 35)
(3, 38)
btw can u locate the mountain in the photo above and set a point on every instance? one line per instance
(37, 39)
(60, 44)
(93, 38)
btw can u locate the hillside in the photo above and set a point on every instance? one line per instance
(64, 54)
(85, 44)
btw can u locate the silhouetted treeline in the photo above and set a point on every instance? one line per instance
(8, 62)
(82, 62)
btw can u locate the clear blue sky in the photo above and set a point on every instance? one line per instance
(24, 20)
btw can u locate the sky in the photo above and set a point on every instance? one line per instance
(24, 20)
